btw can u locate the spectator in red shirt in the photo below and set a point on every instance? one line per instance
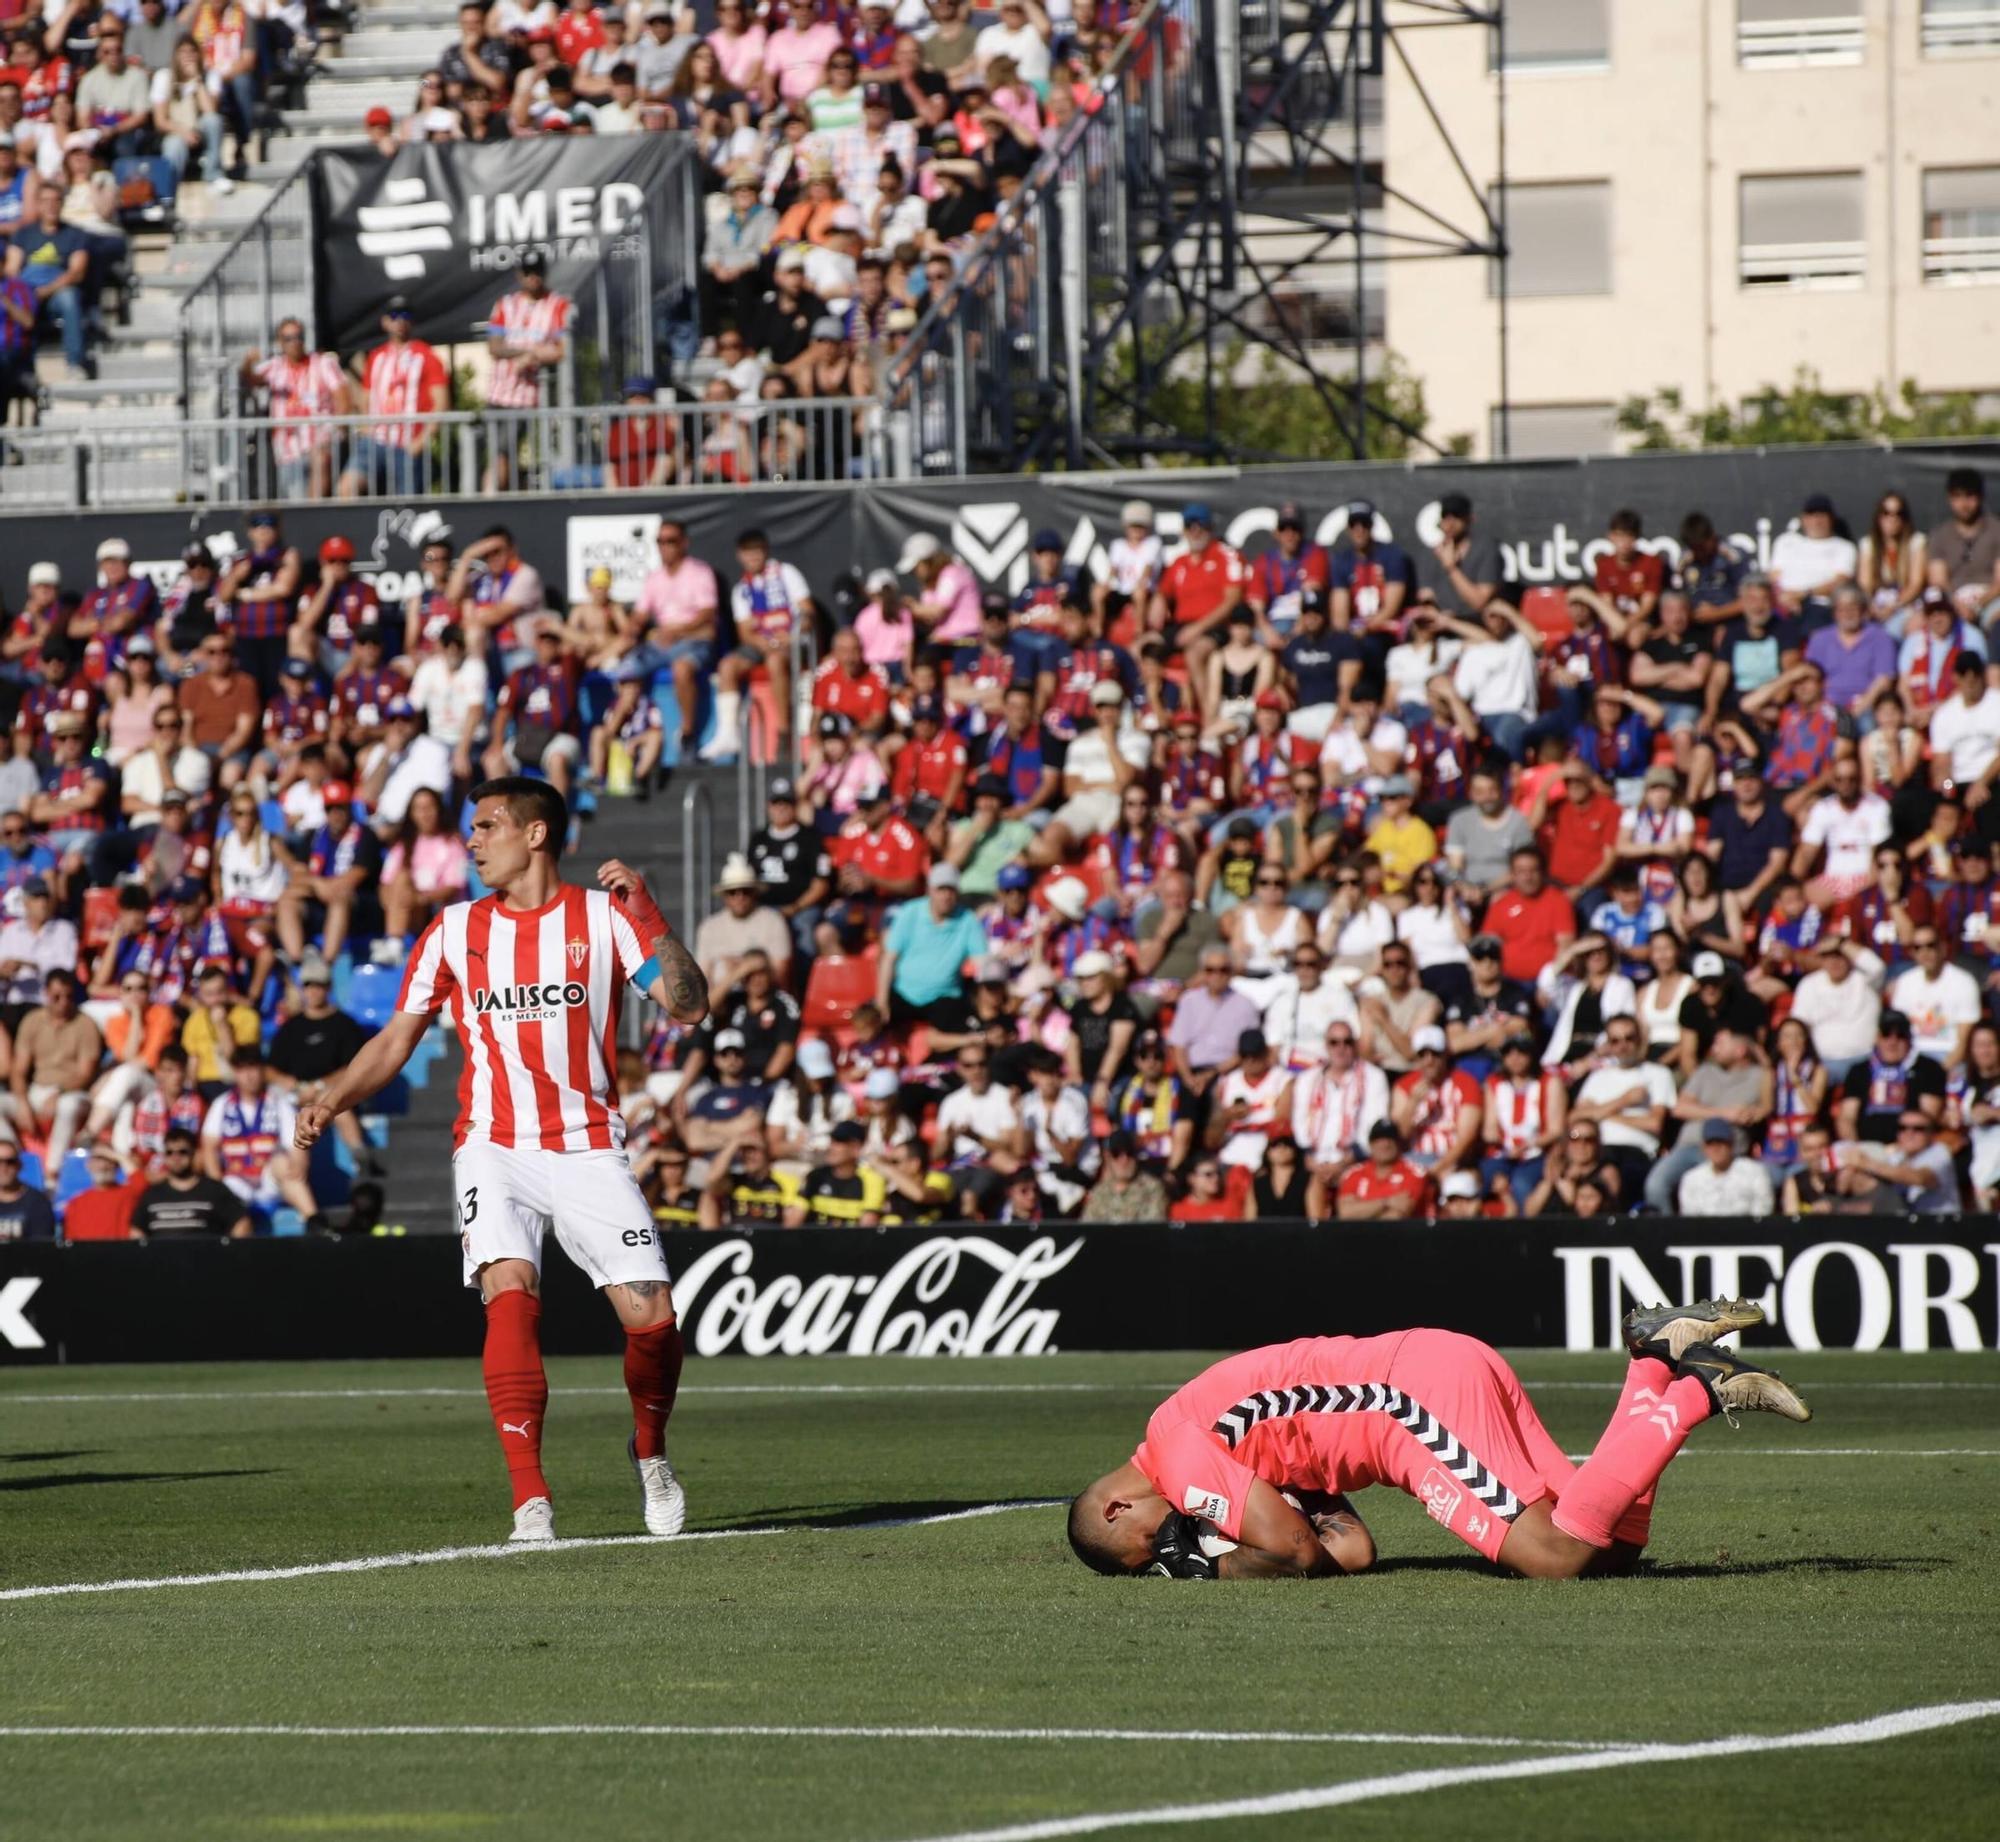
(878, 857)
(849, 686)
(1198, 592)
(1204, 1201)
(1625, 575)
(1387, 1187)
(927, 778)
(104, 1211)
(1439, 1110)
(402, 377)
(1577, 823)
(1532, 921)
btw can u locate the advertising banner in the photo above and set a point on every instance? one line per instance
(446, 225)
(1830, 1283)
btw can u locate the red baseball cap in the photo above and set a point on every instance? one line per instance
(379, 117)
(336, 793)
(1273, 700)
(336, 549)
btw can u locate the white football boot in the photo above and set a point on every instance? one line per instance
(660, 1494)
(535, 1520)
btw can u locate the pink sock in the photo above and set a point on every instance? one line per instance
(1610, 1498)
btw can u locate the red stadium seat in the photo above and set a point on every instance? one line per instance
(838, 982)
(1547, 610)
(100, 915)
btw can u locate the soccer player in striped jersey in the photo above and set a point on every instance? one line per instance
(1243, 1473)
(532, 976)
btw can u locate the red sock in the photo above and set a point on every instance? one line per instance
(652, 1375)
(1613, 1490)
(517, 1389)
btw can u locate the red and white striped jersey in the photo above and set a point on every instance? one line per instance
(403, 380)
(535, 997)
(301, 389)
(519, 319)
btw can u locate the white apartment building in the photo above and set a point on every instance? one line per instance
(1705, 195)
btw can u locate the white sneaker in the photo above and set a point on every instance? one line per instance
(718, 750)
(535, 1520)
(222, 185)
(660, 1492)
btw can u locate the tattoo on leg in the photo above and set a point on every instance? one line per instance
(645, 1288)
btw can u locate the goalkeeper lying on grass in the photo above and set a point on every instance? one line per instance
(1243, 1472)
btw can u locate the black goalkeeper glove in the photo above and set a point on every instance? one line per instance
(1177, 1551)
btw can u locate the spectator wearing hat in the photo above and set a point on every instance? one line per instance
(333, 611)
(526, 333)
(62, 691)
(1750, 838)
(312, 1045)
(842, 1192)
(1055, 1119)
(301, 387)
(640, 449)
(1933, 642)
(22, 855)
(1197, 591)
(885, 630)
(924, 952)
(1487, 1011)
(75, 805)
(1294, 572)
(334, 891)
(947, 602)
(404, 382)
(1370, 579)
(1125, 1191)
(1318, 670)
(1812, 562)
(927, 778)
(734, 252)
(37, 620)
(726, 1109)
(1103, 1022)
(1398, 836)
(1053, 583)
(806, 1107)
(118, 606)
(745, 924)
(1252, 1104)
(780, 326)
(1384, 1186)
(878, 856)
(1921, 1175)
(1134, 560)
(405, 763)
(841, 777)
(792, 864)
(103, 1212)
(1893, 1079)
(379, 124)
(1437, 1110)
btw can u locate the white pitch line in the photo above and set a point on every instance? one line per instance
(479, 1394)
(505, 1550)
(1205, 1736)
(1408, 1784)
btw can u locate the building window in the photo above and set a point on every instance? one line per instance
(1801, 230)
(1558, 239)
(1556, 431)
(1556, 35)
(1961, 28)
(1962, 226)
(1790, 34)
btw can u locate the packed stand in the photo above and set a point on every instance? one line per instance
(848, 155)
(106, 112)
(1344, 884)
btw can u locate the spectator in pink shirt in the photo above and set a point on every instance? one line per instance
(738, 41)
(884, 627)
(795, 55)
(679, 601)
(947, 602)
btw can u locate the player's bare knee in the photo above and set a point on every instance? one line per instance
(642, 1304)
(498, 1276)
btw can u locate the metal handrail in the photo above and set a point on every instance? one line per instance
(697, 861)
(753, 768)
(227, 460)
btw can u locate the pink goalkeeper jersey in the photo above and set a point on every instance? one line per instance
(535, 998)
(1309, 1415)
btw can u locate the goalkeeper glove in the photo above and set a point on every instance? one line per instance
(1177, 1551)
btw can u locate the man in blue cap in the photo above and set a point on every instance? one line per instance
(1038, 606)
(1199, 591)
(1369, 579)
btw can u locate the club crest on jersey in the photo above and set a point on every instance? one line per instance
(578, 949)
(527, 1000)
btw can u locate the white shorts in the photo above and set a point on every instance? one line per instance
(507, 1200)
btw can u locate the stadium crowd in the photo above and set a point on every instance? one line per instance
(849, 156)
(105, 111)
(1331, 884)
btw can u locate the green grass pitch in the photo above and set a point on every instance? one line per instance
(1800, 1577)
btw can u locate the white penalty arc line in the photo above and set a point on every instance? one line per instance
(505, 1550)
(1408, 1784)
(1176, 1736)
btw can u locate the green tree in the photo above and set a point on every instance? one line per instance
(1802, 415)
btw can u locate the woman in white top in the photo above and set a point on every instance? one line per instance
(1263, 933)
(1893, 750)
(250, 876)
(1981, 1109)
(186, 119)
(1435, 926)
(1584, 988)
(1411, 666)
(1357, 923)
(1660, 998)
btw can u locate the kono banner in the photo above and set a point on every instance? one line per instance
(1835, 1283)
(446, 224)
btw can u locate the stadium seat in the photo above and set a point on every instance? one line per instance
(32, 1173)
(837, 983)
(286, 1224)
(371, 994)
(100, 915)
(72, 1180)
(1546, 609)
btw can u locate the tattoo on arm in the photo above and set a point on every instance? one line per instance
(686, 988)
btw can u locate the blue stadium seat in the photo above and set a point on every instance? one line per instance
(371, 994)
(272, 816)
(72, 1180)
(32, 1173)
(331, 1170)
(286, 1223)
